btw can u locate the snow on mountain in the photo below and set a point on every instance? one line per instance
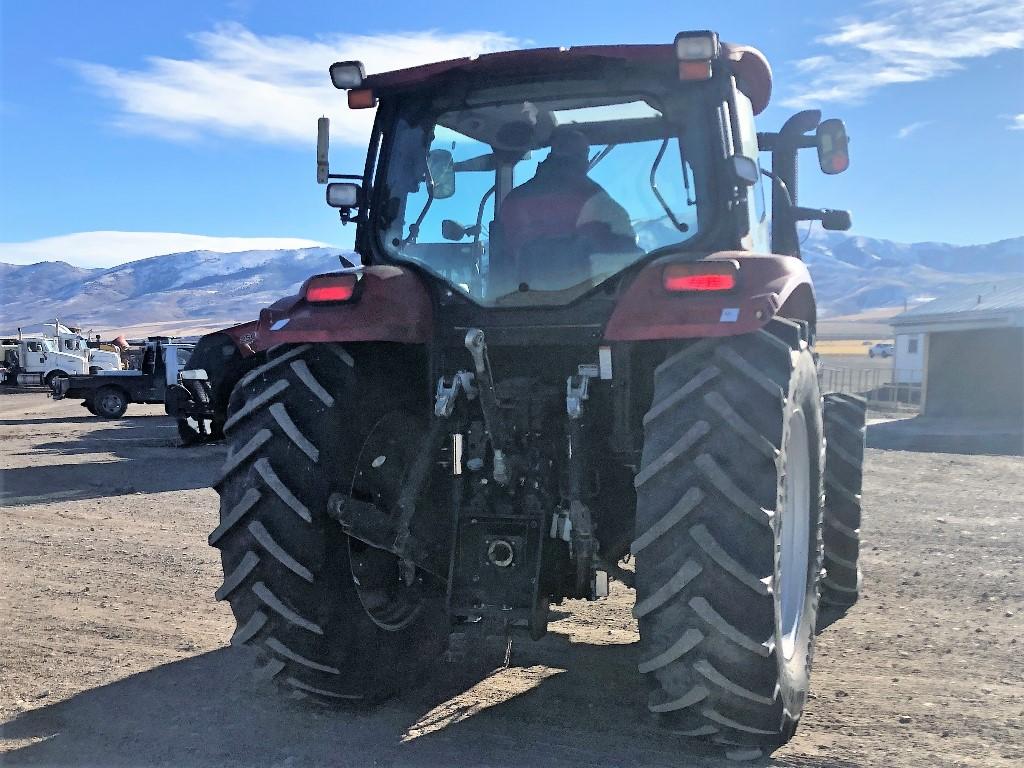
(201, 288)
(855, 273)
(191, 289)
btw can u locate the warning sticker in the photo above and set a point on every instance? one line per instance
(730, 315)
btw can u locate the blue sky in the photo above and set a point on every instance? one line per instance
(199, 117)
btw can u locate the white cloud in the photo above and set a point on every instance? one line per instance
(108, 249)
(266, 88)
(908, 41)
(1017, 123)
(908, 130)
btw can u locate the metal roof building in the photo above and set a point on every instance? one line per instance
(982, 305)
(973, 351)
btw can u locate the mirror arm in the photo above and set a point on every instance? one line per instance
(414, 228)
(807, 214)
(784, 239)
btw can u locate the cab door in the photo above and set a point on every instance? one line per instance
(33, 356)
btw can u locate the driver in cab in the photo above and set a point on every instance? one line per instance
(559, 227)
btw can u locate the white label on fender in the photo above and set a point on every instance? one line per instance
(280, 324)
(604, 362)
(729, 315)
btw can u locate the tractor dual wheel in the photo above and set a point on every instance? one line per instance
(196, 430)
(845, 416)
(110, 403)
(728, 537)
(295, 429)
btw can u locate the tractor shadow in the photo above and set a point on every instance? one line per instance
(139, 454)
(558, 704)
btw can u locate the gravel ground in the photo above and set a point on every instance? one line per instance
(113, 649)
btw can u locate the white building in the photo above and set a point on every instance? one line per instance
(908, 360)
(970, 348)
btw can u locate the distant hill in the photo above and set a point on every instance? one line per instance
(854, 274)
(179, 292)
(200, 290)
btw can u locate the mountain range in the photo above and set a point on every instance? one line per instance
(196, 291)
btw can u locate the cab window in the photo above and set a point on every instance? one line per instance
(758, 214)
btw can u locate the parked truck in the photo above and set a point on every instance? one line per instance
(108, 393)
(57, 352)
(579, 335)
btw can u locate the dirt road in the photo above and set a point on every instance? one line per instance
(112, 649)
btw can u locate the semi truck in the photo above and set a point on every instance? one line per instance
(38, 359)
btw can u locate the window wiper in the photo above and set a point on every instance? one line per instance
(600, 156)
(414, 228)
(681, 226)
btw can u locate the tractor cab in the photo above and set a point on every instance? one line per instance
(531, 178)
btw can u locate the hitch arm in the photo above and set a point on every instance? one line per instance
(477, 346)
(369, 524)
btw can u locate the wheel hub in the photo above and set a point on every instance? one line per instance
(390, 589)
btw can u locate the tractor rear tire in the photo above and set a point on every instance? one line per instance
(844, 470)
(728, 537)
(295, 426)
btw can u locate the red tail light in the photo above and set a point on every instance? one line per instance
(700, 277)
(329, 288)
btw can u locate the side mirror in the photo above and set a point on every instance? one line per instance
(452, 230)
(833, 146)
(836, 221)
(441, 173)
(832, 219)
(744, 170)
(343, 195)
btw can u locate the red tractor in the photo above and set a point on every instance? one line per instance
(578, 334)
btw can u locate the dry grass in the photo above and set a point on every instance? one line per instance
(846, 346)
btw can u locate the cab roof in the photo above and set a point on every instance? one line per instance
(750, 66)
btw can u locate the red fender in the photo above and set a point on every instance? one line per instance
(765, 284)
(244, 337)
(390, 305)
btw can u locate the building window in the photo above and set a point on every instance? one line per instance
(912, 346)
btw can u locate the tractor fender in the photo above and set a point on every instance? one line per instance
(391, 304)
(767, 286)
(243, 336)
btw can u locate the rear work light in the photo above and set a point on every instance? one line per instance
(347, 74)
(323, 289)
(702, 277)
(695, 51)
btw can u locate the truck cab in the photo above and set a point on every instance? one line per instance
(49, 351)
